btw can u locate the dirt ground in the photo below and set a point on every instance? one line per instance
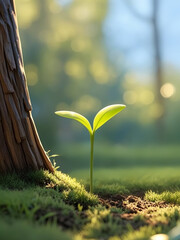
(136, 210)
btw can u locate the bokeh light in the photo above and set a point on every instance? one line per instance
(99, 72)
(167, 90)
(75, 59)
(146, 97)
(87, 104)
(28, 12)
(75, 68)
(160, 237)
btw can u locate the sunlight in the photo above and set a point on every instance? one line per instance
(83, 12)
(100, 72)
(87, 177)
(146, 97)
(167, 90)
(159, 237)
(27, 13)
(76, 69)
(87, 103)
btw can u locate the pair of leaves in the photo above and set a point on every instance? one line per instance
(100, 119)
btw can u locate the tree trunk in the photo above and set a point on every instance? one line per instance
(158, 68)
(20, 146)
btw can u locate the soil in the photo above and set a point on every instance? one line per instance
(133, 206)
(131, 203)
(136, 211)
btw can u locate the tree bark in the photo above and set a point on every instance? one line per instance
(20, 146)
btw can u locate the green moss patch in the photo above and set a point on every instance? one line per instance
(40, 205)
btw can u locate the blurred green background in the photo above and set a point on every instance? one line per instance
(83, 55)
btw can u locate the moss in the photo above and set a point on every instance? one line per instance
(41, 205)
(167, 196)
(68, 189)
(43, 197)
(18, 229)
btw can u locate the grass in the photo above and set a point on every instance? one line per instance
(65, 188)
(168, 197)
(127, 180)
(40, 205)
(105, 225)
(76, 156)
(11, 229)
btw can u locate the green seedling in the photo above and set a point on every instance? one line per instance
(100, 119)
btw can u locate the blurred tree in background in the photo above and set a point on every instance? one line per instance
(68, 66)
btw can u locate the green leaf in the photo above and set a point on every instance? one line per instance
(76, 116)
(106, 114)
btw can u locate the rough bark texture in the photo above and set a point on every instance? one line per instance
(20, 146)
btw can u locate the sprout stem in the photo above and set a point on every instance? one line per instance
(91, 162)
